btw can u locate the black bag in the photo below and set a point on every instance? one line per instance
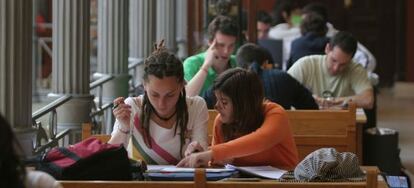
(87, 160)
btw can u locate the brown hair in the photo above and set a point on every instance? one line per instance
(223, 24)
(162, 64)
(245, 90)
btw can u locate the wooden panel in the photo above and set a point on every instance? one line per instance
(314, 129)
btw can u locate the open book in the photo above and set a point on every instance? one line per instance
(259, 171)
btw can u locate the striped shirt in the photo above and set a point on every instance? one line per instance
(165, 144)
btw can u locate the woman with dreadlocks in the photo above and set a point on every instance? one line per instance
(163, 124)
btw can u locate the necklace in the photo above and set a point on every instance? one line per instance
(164, 118)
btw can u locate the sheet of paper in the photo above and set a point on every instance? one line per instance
(261, 171)
(172, 168)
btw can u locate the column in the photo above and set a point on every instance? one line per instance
(142, 31)
(181, 28)
(71, 23)
(16, 69)
(113, 47)
(166, 23)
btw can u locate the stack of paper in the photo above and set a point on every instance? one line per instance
(260, 171)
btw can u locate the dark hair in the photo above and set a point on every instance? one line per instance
(264, 17)
(317, 8)
(248, 112)
(345, 41)
(12, 170)
(313, 23)
(162, 64)
(283, 6)
(224, 25)
(250, 53)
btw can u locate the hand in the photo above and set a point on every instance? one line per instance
(211, 56)
(222, 163)
(196, 160)
(193, 147)
(122, 112)
(323, 103)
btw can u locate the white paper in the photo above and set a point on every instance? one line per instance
(261, 171)
(172, 168)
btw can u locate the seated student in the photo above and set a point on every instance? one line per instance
(248, 130)
(279, 87)
(313, 40)
(200, 70)
(162, 121)
(12, 171)
(335, 74)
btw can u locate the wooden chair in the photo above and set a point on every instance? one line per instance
(200, 182)
(314, 129)
(87, 132)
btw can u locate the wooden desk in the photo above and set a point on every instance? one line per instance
(200, 182)
(361, 119)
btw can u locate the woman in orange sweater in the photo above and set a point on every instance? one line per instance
(248, 131)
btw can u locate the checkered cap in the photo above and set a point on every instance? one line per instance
(328, 164)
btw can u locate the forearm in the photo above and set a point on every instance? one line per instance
(119, 137)
(363, 100)
(195, 85)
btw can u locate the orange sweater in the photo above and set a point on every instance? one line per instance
(271, 144)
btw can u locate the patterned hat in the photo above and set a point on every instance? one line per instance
(328, 164)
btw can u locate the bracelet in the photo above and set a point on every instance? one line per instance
(122, 131)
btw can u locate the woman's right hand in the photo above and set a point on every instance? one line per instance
(122, 112)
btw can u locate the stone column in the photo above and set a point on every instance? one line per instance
(142, 14)
(16, 69)
(113, 47)
(181, 28)
(71, 76)
(166, 19)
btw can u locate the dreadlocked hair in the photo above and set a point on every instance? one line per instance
(162, 64)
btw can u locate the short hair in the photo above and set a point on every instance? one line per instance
(345, 41)
(317, 8)
(313, 23)
(250, 53)
(264, 17)
(223, 24)
(245, 103)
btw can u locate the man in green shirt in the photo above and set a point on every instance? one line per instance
(335, 74)
(200, 70)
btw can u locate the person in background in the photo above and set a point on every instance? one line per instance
(248, 131)
(279, 87)
(362, 56)
(163, 122)
(200, 70)
(313, 40)
(287, 17)
(264, 22)
(335, 73)
(12, 171)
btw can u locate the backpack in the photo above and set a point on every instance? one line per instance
(87, 160)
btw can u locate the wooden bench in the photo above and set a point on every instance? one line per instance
(314, 129)
(200, 182)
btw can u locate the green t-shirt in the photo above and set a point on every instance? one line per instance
(312, 72)
(193, 64)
